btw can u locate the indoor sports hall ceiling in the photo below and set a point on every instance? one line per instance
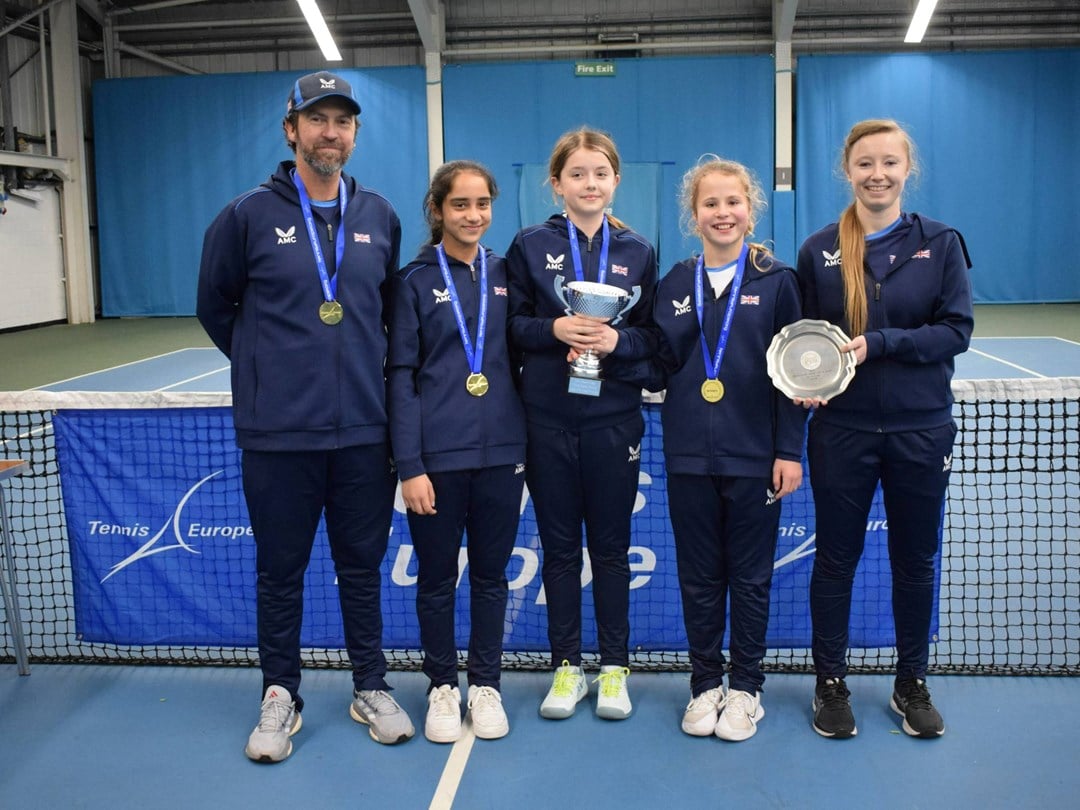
(232, 35)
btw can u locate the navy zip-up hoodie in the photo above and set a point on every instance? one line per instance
(536, 256)
(435, 424)
(297, 383)
(919, 318)
(753, 424)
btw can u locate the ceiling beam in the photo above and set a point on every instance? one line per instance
(430, 23)
(784, 19)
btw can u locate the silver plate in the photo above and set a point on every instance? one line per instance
(805, 361)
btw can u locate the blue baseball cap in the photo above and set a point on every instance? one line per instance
(316, 87)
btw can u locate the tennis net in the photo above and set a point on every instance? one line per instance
(1009, 578)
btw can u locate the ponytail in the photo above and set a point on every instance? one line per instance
(852, 256)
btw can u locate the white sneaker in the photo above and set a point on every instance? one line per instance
(278, 721)
(567, 690)
(699, 719)
(443, 723)
(739, 718)
(487, 714)
(613, 702)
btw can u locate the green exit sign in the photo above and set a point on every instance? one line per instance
(592, 69)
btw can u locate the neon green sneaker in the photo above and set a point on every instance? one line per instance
(613, 702)
(567, 690)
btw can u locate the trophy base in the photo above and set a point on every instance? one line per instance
(584, 386)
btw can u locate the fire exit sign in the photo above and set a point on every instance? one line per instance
(592, 69)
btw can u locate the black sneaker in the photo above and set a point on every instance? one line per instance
(832, 709)
(911, 700)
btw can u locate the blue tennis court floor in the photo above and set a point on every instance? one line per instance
(172, 737)
(119, 736)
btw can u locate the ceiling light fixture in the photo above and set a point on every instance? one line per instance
(919, 21)
(318, 27)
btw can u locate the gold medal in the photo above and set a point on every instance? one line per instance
(330, 312)
(476, 384)
(712, 390)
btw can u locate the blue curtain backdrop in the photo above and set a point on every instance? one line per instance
(171, 152)
(996, 134)
(663, 111)
(637, 198)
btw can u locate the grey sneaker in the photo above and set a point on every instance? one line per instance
(278, 721)
(386, 720)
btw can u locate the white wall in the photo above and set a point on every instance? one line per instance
(31, 260)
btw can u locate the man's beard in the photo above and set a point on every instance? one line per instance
(325, 167)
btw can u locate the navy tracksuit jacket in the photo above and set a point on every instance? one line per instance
(309, 405)
(719, 458)
(471, 448)
(583, 452)
(893, 424)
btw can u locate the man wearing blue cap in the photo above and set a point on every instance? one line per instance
(291, 289)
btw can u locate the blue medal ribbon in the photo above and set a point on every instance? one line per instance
(713, 361)
(575, 251)
(329, 285)
(476, 359)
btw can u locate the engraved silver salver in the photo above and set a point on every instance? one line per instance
(805, 361)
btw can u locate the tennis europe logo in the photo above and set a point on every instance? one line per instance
(161, 541)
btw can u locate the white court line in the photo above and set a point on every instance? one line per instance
(1025, 337)
(39, 431)
(997, 359)
(446, 790)
(196, 377)
(122, 365)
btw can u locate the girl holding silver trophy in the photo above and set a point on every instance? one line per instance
(570, 276)
(898, 284)
(732, 442)
(458, 433)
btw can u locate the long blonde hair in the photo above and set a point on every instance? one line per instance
(755, 198)
(584, 138)
(852, 235)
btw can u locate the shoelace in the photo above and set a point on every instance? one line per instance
(711, 700)
(566, 681)
(613, 682)
(835, 693)
(483, 699)
(445, 702)
(380, 701)
(274, 715)
(738, 706)
(916, 695)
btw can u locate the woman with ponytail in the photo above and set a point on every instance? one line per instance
(897, 283)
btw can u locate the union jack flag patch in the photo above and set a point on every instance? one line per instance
(499, 290)
(362, 237)
(620, 270)
(753, 300)
(921, 254)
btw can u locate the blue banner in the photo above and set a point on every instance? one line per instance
(162, 551)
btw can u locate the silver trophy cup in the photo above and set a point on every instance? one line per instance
(604, 301)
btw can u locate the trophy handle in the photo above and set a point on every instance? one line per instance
(635, 294)
(561, 294)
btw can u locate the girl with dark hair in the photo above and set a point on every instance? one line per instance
(458, 433)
